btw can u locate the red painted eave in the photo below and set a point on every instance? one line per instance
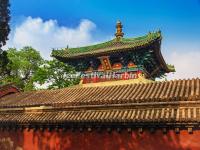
(8, 89)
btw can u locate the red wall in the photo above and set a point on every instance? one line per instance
(29, 140)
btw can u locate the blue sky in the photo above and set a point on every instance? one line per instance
(171, 16)
(179, 21)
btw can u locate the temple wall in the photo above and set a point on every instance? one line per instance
(30, 140)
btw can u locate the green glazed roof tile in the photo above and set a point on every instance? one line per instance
(109, 46)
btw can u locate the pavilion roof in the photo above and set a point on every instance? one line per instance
(159, 103)
(114, 46)
(108, 47)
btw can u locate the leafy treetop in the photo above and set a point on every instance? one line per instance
(4, 21)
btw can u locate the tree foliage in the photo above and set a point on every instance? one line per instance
(26, 69)
(3, 63)
(4, 31)
(22, 66)
(4, 21)
(56, 74)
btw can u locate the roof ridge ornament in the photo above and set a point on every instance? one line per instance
(119, 34)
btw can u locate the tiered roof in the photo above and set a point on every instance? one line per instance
(159, 104)
(169, 104)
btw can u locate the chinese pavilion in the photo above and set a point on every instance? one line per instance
(120, 58)
(127, 112)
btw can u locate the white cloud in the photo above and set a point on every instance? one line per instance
(184, 55)
(187, 64)
(45, 35)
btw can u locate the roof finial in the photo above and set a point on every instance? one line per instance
(119, 34)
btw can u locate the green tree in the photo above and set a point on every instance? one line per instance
(26, 69)
(4, 31)
(4, 21)
(56, 74)
(22, 66)
(3, 63)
